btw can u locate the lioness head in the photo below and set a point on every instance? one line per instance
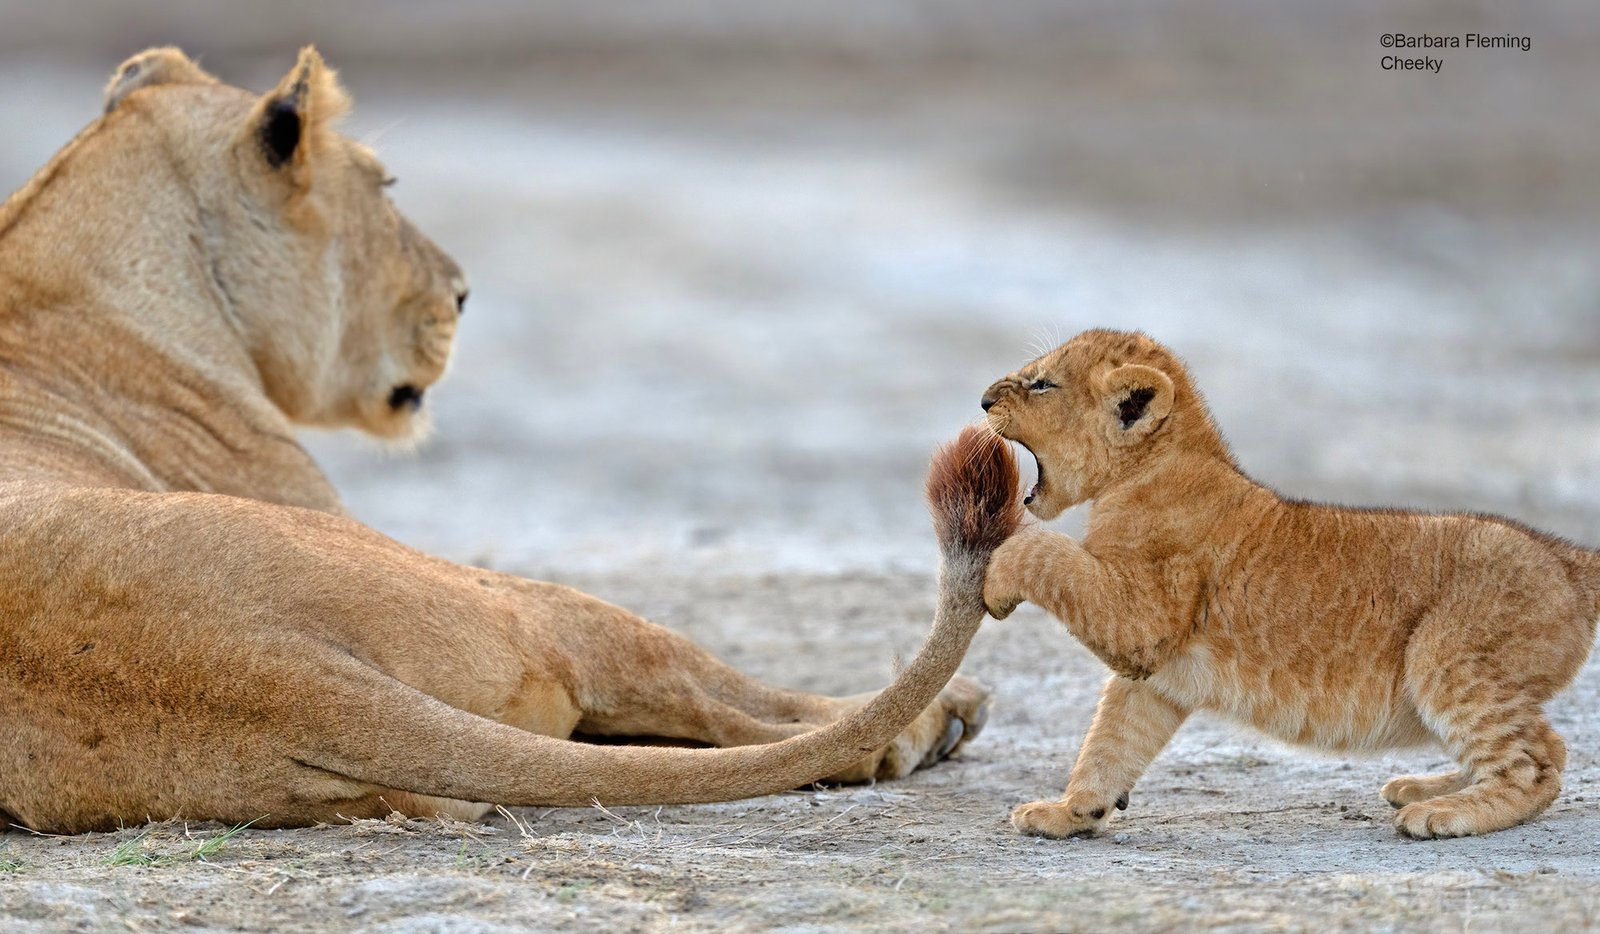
(1095, 411)
(347, 310)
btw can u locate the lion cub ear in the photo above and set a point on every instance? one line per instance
(150, 68)
(294, 122)
(1136, 400)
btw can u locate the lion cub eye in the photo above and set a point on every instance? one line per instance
(1041, 385)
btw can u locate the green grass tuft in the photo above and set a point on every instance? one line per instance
(134, 853)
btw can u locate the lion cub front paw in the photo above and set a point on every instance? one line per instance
(1073, 816)
(999, 598)
(1001, 608)
(1003, 579)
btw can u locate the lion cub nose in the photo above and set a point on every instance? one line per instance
(988, 402)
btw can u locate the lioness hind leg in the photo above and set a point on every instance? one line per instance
(1131, 726)
(1409, 789)
(638, 679)
(381, 804)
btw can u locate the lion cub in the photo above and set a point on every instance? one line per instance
(1341, 629)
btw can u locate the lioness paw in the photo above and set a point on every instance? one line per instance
(967, 702)
(940, 731)
(1074, 816)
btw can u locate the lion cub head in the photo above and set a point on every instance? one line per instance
(1100, 409)
(347, 310)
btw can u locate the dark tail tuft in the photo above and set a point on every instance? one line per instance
(972, 491)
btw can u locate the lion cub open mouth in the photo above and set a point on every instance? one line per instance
(1037, 486)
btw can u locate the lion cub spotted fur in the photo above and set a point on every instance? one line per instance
(1341, 629)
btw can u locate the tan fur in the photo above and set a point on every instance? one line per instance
(1340, 629)
(190, 626)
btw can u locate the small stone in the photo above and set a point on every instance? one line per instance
(1120, 838)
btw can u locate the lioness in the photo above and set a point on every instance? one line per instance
(189, 624)
(1343, 629)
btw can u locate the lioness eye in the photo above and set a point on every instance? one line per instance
(1040, 385)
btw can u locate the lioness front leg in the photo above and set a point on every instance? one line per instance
(1131, 726)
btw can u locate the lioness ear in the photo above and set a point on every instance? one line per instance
(294, 121)
(1136, 399)
(152, 67)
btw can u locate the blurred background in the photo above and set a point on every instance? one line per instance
(739, 265)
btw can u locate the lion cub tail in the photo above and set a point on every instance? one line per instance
(1584, 565)
(441, 751)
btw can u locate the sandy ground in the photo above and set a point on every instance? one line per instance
(726, 299)
(1225, 831)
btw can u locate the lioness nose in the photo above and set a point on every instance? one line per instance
(988, 402)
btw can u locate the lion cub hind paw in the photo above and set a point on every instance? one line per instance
(1409, 789)
(1059, 820)
(1426, 820)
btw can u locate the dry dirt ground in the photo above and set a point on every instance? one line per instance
(738, 267)
(1225, 832)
